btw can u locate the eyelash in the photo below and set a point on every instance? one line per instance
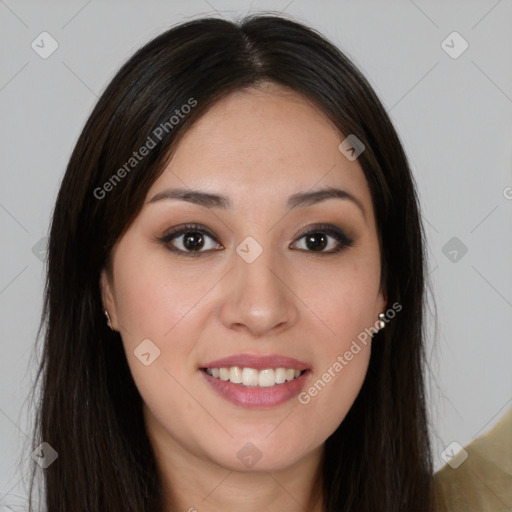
(326, 229)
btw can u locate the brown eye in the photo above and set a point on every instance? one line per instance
(316, 241)
(190, 240)
(325, 236)
(193, 241)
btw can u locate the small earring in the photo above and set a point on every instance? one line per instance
(109, 323)
(382, 324)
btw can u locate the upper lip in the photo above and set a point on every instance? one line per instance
(258, 362)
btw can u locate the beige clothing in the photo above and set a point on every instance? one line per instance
(483, 482)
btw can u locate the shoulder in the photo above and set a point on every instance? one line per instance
(479, 478)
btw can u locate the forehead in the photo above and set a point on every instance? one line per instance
(260, 140)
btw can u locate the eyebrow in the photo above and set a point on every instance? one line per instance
(298, 200)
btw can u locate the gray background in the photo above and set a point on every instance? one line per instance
(452, 114)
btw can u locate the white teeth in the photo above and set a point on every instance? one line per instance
(249, 377)
(235, 375)
(280, 375)
(266, 378)
(254, 378)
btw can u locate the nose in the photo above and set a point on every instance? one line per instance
(258, 299)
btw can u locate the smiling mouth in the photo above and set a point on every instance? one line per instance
(251, 377)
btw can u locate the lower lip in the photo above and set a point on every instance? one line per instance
(256, 397)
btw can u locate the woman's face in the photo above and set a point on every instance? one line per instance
(257, 281)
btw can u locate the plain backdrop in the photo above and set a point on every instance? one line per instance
(452, 108)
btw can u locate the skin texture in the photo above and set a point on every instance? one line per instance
(257, 147)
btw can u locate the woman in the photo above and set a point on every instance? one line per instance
(234, 304)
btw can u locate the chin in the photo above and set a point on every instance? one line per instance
(259, 454)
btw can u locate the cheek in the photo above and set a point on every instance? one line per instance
(153, 297)
(154, 304)
(155, 301)
(331, 392)
(344, 300)
(341, 304)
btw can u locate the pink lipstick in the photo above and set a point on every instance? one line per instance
(256, 381)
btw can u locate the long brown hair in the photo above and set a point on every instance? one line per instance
(90, 409)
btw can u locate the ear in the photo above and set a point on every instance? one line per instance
(382, 301)
(107, 298)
